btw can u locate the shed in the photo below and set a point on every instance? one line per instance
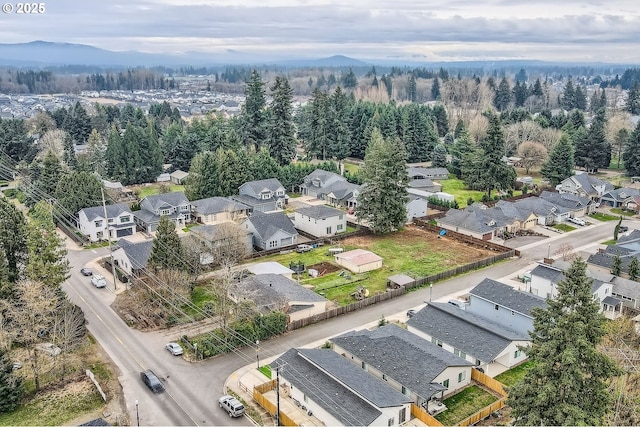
(270, 267)
(398, 280)
(359, 260)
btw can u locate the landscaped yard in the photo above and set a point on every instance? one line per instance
(513, 375)
(563, 227)
(150, 190)
(351, 168)
(604, 217)
(622, 212)
(411, 251)
(463, 404)
(458, 189)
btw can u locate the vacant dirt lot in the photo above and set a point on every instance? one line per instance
(324, 267)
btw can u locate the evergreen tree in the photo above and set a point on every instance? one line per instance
(11, 386)
(381, 202)
(69, 155)
(349, 80)
(593, 151)
(461, 150)
(439, 156)
(96, 153)
(231, 171)
(318, 142)
(537, 89)
(560, 164)
(633, 99)
(441, 120)
(616, 267)
(521, 77)
(13, 238)
(48, 178)
(202, 180)
(15, 140)
(282, 142)
(263, 166)
(253, 118)
(631, 154)
(150, 153)
(116, 155)
(412, 91)
(569, 96)
(339, 130)
(633, 269)
(580, 99)
(76, 191)
(167, 252)
(566, 384)
(520, 94)
(502, 99)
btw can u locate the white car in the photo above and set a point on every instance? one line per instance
(98, 281)
(578, 221)
(174, 348)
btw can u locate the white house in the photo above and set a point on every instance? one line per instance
(174, 205)
(216, 210)
(132, 257)
(265, 195)
(338, 392)
(119, 222)
(320, 220)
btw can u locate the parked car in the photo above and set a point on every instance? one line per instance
(174, 348)
(152, 381)
(232, 405)
(49, 348)
(86, 271)
(303, 248)
(98, 281)
(578, 221)
(623, 229)
(410, 313)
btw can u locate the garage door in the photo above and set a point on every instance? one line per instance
(124, 232)
(286, 242)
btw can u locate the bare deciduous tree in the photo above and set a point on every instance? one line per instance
(532, 154)
(69, 330)
(52, 141)
(566, 251)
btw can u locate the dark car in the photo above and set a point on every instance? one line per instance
(410, 313)
(86, 271)
(152, 381)
(623, 229)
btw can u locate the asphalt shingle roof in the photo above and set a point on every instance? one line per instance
(272, 291)
(214, 205)
(138, 253)
(268, 224)
(402, 356)
(271, 184)
(319, 212)
(507, 296)
(157, 201)
(466, 331)
(343, 404)
(112, 211)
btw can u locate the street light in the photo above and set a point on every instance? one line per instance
(137, 413)
(430, 290)
(258, 353)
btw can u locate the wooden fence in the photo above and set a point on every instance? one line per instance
(424, 416)
(270, 407)
(462, 237)
(488, 382)
(493, 385)
(483, 413)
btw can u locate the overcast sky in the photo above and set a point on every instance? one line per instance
(445, 30)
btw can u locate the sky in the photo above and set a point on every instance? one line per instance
(444, 30)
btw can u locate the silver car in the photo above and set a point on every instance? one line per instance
(174, 348)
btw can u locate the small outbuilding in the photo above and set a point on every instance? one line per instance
(399, 280)
(359, 260)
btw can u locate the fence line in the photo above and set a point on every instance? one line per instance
(483, 413)
(424, 416)
(490, 383)
(258, 396)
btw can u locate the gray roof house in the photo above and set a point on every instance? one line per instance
(479, 221)
(265, 195)
(547, 213)
(585, 185)
(320, 220)
(341, 193)
(620, 197)
(317, 180)
(504, 304)
(578, 205)
(271, 230)
(338, 392)
(416, 367)
(431, 173)
(214, 210)
(174, 205)
(490, 346)
(132, 257)
(276, 292)
(178, 177)
(218, 239)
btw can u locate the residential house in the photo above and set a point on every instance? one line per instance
(118, 222)
(504, 304)
(320, 220)
(316, 181)
(545, 279)
(425, 184)
(271, 230)
(577, 205)
(416, 367)
(265, 195)
(547, 213)
(585, 185)
(178, 177)
(163, 177)
(223, 238)
(526, 217)
(484, 223)
(337, 392)
(269, 267)
(416, 208)
(173, 205)
(620, 198)
(276, 292)
(430, 173)
(490, 346)
(341, 193)
(132, 257)
(358, 260)
(216, 210)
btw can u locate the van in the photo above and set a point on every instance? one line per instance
(152, 381)
(232, 405)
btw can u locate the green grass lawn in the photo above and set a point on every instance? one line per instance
(150, 190)
(563, 227)
(609, 242)
(463, 404)
(351, 168)
(458, 188)
(513, 375)
(604, 217)
(621, 212)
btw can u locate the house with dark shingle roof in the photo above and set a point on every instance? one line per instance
(585, 185)
(338, 392)
(276, 292)
(265, 195)
(271, 230)
(174, 205)
(504, 304)
(577, 205)
(118, 222)
(479, 221)
(320, 220)
(427, 173)
(216, 210)
(488, 345)
(620, 197)
(313, 183)
(220, 238)
(132, 257)
(417, 368)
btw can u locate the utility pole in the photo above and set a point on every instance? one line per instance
(278, 396)
(106, 219)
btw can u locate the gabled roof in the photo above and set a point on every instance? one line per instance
(474, 219)
(359, 256)
(174, 199)
(179, 174)
(323, 176)
(270, 184)
(213, 232)
(589, 182)
(341, 190)
(268, 224)
(214, 205)
(274, 290)
(426, 172)
(622, 194)
(112, 211)
(507, 296)
(548, 272)
(335, 398)
(412, 361)
(466, 331)
(320, 212)
(540, 207)
(138, 253)
(567, 200)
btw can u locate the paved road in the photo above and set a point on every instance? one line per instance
(192, 388)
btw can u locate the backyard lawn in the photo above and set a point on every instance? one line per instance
(604, 217)
(458, 189)
(411, 251)
(513, 375)
(150, 190)
(463, 404)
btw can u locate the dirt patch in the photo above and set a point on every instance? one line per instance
(324, 268)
